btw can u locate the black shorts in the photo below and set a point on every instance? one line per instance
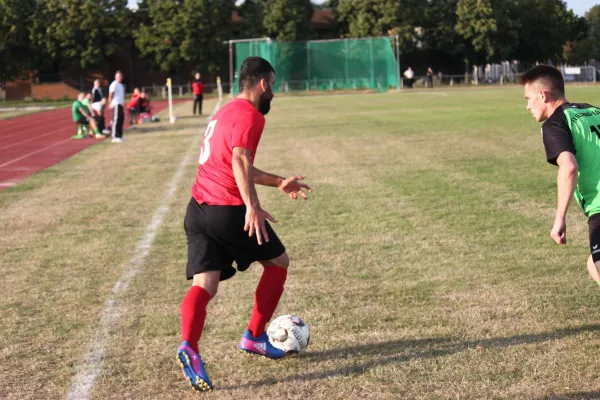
(216, 238)
(82, 121)
(594, 225)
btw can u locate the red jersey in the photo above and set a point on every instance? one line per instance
(238, 124)
(197, 87)
(133, 103)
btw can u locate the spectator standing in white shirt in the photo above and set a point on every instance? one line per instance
(409, 74)
(116, 100)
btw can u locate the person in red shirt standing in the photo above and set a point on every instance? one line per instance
(198, 90)
(225, 222)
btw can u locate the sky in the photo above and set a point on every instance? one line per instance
(579, 6)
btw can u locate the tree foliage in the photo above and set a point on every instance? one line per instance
(80, 33)
(177, 35)
(368, 17)
(14, 37)
(287, 20)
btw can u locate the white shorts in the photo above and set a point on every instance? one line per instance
(97, 106)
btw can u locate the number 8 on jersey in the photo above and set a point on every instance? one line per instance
(205, 150)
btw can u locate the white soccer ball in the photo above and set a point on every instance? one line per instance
(289, 333)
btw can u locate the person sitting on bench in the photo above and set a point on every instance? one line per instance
(133, 106)
(83, 118)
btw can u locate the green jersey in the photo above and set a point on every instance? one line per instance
(77, 115)
(575, 127)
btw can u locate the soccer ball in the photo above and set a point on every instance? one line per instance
(289, 333)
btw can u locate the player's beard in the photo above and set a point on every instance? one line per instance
(265, 102)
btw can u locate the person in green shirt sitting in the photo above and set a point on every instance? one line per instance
(83, 118)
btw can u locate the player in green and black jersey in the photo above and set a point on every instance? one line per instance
(571, 135)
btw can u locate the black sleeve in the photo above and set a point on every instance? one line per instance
(557, 137)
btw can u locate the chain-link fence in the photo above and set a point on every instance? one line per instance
(580, 74)
(182, 91)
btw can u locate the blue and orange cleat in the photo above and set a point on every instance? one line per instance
(260, 346)
(193, 368)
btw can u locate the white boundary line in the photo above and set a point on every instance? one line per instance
(88, 370)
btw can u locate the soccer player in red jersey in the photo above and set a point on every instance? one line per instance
(198, 90)
(225, 222)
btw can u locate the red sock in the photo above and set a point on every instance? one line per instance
(266, 298)
(193, 314)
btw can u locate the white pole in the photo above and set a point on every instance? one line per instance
(170, 94)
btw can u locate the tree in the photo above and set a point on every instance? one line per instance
(287, 20)
(80, 33)
(252, 15)
(439, 40)
(588, 48)
(160, 38)
(206, 26)
(15, 54)
(592, 19)
(368, 17)
(476, 23)
(186, 32)
(546, 25)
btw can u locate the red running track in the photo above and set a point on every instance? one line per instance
(37, 141)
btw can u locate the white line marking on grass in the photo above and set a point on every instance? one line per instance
(89, 369)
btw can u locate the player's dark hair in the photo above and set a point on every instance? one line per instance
(253, 70)
(549, 75)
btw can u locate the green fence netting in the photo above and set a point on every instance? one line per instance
(368, 63)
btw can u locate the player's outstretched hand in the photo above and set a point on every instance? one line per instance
(293, 188)
(255, 223)
(559, 232)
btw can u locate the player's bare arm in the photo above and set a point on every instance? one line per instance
(84, 113)
(110, 97)
(243, 171)
(291, 186)
(566, 181)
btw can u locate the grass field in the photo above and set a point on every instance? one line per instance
(28, 107)
(422, 261)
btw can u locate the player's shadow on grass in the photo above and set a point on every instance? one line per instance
(201, 118)
(573, 396)
(400, 351)
(340, 124)
(153, 127)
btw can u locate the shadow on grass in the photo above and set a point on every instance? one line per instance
(201, 118)
(574, 396)
(165, 127)
(400, 351)
(339, 124)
